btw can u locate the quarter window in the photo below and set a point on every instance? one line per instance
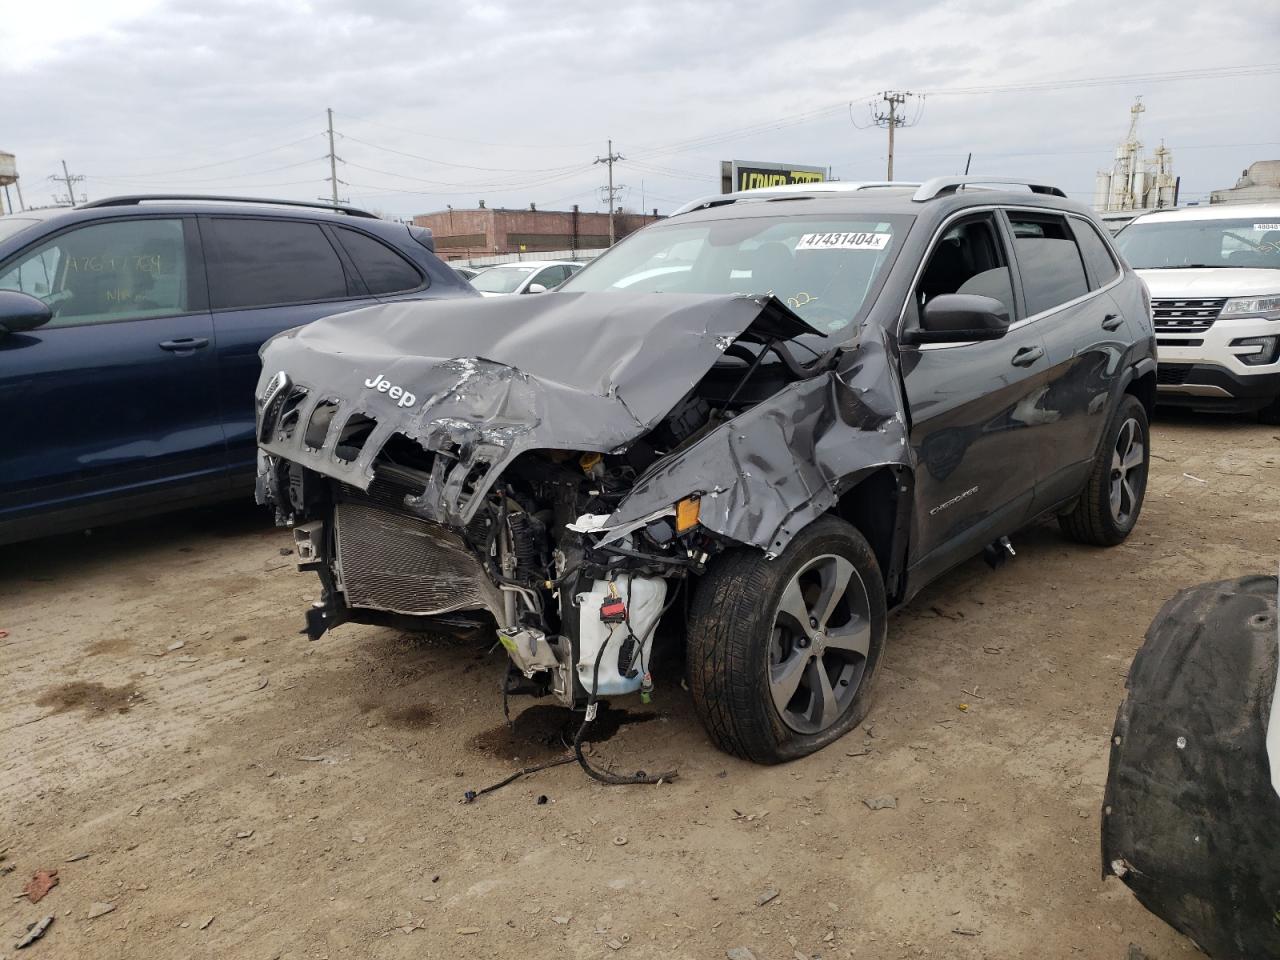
(383, 270)
(259, 263)
(1096, 253)
(123, 270)
(1048, 260)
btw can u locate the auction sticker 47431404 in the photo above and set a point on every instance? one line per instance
(844, 241)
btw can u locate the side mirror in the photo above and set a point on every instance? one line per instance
(535, 288)
(20, 312)
(961, 317)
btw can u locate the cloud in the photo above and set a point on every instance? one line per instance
(511, 102)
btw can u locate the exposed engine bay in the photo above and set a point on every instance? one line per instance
(563, 465)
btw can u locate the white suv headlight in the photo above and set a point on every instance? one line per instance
(1268, 307)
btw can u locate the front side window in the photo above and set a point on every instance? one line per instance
(827, 269)
(124, 270)
(968, 258)
(382, 269)
(1049, 261)
(261, 263)
(1252, 242)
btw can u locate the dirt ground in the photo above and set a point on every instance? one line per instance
(237, 791)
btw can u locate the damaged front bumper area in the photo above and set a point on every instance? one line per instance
(562, 464)
(575, 610)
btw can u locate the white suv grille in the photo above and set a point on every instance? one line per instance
(1185, 315)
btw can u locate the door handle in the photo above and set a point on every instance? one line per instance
(1027, 356)
(184, 343)
(1112, 321)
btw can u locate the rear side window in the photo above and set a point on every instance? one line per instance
(258, 263)
(383, 270)
(1048, 260)
(1096, 253)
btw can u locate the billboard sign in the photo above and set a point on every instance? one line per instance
(750, 175)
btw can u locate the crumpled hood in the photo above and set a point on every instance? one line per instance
(482, 380)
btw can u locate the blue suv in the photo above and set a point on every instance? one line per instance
(129, 337)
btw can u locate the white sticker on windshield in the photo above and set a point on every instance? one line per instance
(1266, 226)
(844, 241)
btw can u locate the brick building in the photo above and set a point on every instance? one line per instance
(482, 232)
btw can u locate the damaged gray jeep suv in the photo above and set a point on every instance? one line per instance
(765, 421)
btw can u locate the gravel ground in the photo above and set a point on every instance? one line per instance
(237, 791)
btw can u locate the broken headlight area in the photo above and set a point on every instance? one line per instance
(576, 603)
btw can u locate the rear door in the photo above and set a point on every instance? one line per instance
(1064, 282)
(266, 275)
(117, 395)
(973, 407)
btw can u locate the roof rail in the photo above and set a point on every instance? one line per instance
(793, 190)
(134, 200)
(943, 185)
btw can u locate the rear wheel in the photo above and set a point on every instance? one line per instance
(1108, 508)
(782, 652)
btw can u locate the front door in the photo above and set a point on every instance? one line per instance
(974, 408)
(117, 394)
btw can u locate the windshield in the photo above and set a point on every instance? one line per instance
(501, 279)
(824, 268)
(1241, 242)
(11, 225)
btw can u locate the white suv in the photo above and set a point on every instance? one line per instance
(1214, 277)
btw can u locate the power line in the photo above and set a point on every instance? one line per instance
(222, 179)
(1206, 73)
(216, 163)
(446, 163)
(1203, 73)
(480, 143)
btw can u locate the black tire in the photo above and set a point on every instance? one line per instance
(1270, 414)
(1095, 518)
(744, 645)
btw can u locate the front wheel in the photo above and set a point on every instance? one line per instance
(782, 652)
(1108, 507)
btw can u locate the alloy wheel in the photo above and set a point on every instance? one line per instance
(821, 638)
(1128, 462)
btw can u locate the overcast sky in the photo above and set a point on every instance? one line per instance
(451, 103)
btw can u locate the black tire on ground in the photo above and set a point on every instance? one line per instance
(1270, 414)
(747, 648)
(1111, 501)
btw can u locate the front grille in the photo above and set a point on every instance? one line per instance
(1172, 374)
(392, 561)
(1185, 315)
(1183, 342)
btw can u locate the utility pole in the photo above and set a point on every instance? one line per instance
(70, 181)
(609, 159)
(892, 118)
(333, 160)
